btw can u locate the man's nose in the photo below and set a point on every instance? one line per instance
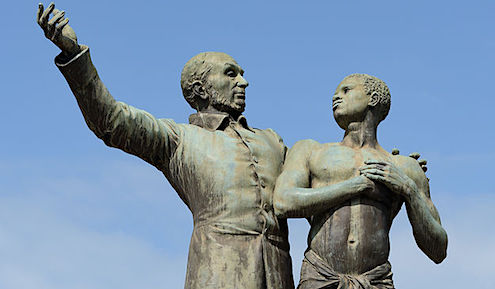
(335, 97)
(241, 82)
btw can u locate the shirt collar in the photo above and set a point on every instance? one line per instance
(215, 121)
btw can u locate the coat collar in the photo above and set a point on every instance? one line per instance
(216, 121)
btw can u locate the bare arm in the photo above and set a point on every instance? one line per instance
(117, 124)
(412, 184)
(294, 197)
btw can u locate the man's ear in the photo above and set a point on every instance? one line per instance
(199, 90)
(374, 99)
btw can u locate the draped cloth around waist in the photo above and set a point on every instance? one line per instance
(316, 273)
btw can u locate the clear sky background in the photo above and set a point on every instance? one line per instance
(77, 214)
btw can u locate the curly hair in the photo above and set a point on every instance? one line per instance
(373, 84)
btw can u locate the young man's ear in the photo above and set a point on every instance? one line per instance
(199, 90)
(374, 99)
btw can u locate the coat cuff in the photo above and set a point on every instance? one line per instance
(79, 70)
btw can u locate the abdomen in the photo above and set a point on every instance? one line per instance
(352, 238)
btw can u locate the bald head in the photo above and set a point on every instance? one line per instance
(196, 71)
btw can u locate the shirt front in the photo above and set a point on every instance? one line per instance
(224, 171)
(232, 170)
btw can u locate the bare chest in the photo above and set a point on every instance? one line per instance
(335, 163)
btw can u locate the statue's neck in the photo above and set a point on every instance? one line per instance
(361, 134)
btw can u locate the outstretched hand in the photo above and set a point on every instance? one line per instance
(57, 30)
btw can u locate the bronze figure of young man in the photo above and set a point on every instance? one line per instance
(223, 169)
(351, 191)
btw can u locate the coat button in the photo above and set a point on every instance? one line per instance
(266, 207)
(262, 183)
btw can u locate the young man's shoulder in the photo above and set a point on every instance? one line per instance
(410, 166)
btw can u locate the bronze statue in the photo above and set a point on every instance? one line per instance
(223, 169)
(351, 191)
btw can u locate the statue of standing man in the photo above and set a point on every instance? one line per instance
(223, 169)
(351, 191)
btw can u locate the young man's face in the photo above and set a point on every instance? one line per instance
(227, 89)
(350, 102)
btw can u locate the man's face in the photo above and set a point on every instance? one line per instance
(350, 102)
(226, 86)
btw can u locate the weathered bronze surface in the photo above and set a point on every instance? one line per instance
(225, 172)
(351, 191)
(223, 169)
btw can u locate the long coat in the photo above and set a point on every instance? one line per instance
(223, 170)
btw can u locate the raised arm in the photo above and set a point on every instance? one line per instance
(117, 124)
(409, 180)
(294, 197)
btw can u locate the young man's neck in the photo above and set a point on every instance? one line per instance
(361, 134)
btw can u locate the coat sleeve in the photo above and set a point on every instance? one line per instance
(119, 125)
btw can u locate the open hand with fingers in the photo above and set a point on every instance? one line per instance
(389, 175)
(57, 30)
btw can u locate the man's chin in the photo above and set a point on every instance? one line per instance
(235, 108)
(240, 107)
(340, 120)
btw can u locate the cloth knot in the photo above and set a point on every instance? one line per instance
(353, 281)
(316, 273)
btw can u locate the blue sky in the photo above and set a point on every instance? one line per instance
(76, 214)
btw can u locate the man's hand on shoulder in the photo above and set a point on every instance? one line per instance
(57, 30)
(422, 162)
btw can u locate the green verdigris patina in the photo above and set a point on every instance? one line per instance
(351, 191)
(223, 169)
